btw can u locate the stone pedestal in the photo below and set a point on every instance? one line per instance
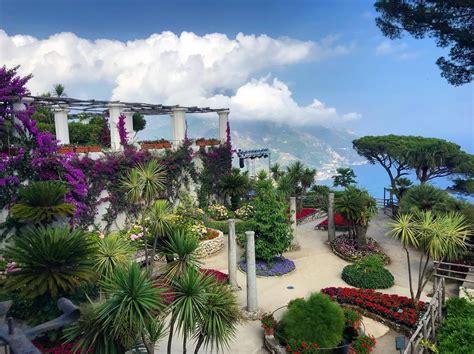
(223, 120)
(331, 225)
(61, 125)
(129, 127)
(178, 124)
(232, 256)
(293, 224)
(115, 110)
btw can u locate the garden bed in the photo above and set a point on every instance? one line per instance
(279, 266)
(212, 245)
(394, 308)
(345, 247)
(339, 222)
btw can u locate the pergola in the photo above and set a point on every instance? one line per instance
(62, 106)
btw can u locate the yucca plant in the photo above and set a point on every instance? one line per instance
(160, 223)
(439, 237)
(218, 325)
(181, 250)
(53, 261)
(112, 252)
(142, 186)
(132, 303)
(42, 202)
(188, 307)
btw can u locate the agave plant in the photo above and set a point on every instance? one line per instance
(42, 202)
(112, 252)
(52, 261)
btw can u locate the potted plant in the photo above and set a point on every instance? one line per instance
(353, 318)
(155, 144)
(268, 324)
(362, 345)
(207, 142)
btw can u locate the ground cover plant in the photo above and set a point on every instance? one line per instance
(277, 266)
(346, 246)
(368, 272)
(398, 309)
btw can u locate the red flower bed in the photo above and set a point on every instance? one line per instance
(167, 293)
(339, 221)
(65, 348)
(395, 308)
(305, 212)
(219, 276)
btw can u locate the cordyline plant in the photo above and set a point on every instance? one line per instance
(438, 237)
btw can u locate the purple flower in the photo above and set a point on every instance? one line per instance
(278, 266)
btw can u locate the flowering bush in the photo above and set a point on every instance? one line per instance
(245, 212)
(298, 347)
(198, 230)
(339, 221)
(364, 344)
(392, 307)
(347, 247)
(268, 321)
(218, 211)
(218, 275)
(353, 318)
(278, 266)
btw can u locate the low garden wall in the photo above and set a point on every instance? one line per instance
(209, 247)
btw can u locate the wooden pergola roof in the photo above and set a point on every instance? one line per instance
(99, 106)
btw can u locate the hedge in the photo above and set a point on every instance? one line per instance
(368, 273)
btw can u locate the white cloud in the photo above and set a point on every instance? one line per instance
(211, 70)
(398, 50)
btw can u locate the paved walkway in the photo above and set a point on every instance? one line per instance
(316, 267)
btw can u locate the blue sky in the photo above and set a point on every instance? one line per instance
(394, 86)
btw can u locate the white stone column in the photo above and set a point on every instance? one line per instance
(331, 225)
(293, 223)
(232, 256)
(129, 126)
(223, 120)
(252, 303)
(115, 109)
(19, 106)
(179, 125)
(61, 126)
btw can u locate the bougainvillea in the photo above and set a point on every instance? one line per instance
(123, 134)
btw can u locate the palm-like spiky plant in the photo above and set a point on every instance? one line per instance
(42, 202)
(132, 303)
(143, 185)
(112, 252)
(439, 237)
(160, 223)
(276, 172)
(217, 327)
(59, 90)
(190, 299)
(235, 185)
(181, 248)
(52, 260)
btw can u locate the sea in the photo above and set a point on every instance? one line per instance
(374, 179)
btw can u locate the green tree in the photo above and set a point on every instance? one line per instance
(159, 220)
(296, 181)
(42, 202)
(139, 122)
(272, 231)
(235, 185)
(357, 207)
(276, 171)
(425, 197)
(449, 22)
(344, 177)
(440, 238)
(59, 90)
(53, 261)
(143, 185)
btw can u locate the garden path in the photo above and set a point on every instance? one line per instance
(316, 267)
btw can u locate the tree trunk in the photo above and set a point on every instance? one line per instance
(199, 344)
(361, 231)
(170, 337)
(185, 337)
(409, 279)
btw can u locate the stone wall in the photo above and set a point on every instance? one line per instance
(209, 247)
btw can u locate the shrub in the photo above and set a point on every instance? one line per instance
(456, 334)
(353, 318)
(85, 134)
(369, 272)
(245, 212)
(426, 197)
(364, 344)
(139, 122)
(272, 230)
(218, 211)
(315, 320)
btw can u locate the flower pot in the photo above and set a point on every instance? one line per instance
(82, 149)
(207, 142)
(156, 146)
(95, 148)
(65, 149)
